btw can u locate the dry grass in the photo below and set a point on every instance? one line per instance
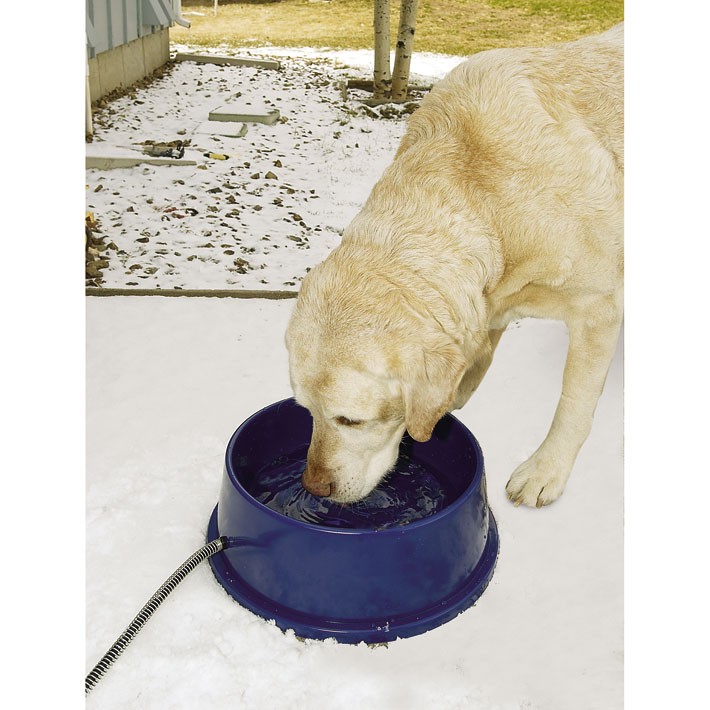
(459, 27)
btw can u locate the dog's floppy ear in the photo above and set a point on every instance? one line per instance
(429, 386)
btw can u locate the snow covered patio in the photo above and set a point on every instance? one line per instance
(170, 379)
(267, 205)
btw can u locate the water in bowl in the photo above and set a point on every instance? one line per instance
(410, 492)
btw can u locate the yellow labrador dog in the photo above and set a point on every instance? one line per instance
(504, 201)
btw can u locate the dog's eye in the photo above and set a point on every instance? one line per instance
(344, 421)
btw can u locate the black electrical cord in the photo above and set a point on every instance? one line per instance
(153, 603)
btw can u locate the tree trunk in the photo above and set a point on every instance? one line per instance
(403, 53)
(382, 79)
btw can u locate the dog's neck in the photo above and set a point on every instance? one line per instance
(417, 257)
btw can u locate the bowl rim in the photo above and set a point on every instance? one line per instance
(473, 486)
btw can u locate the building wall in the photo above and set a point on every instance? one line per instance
(128, 63)
(126, 40)
(111, 23)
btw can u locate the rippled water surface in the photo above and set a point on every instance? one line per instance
(409, 493)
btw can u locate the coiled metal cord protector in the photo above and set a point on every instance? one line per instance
(153, 603)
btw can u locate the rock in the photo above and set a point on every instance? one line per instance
(92, 271)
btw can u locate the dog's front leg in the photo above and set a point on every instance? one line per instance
(542, 478)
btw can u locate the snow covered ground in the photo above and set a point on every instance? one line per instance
(168, 381)
(279, 202)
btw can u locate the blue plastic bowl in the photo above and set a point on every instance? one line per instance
(371, 585)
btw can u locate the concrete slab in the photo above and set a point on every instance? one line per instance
(108, 162)
(245, 113)
(222, 128)
(126, 64)
(133, 58)
(231, 61)
(110, 71)
(156, 50)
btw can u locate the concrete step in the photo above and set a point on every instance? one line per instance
(105, 156)
(245, 113)
(109, 162)
(222, 128)
(232, 61)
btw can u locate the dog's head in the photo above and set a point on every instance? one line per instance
(368, 365)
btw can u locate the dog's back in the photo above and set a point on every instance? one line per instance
(503, 91)
(531, 140)
(585, 79)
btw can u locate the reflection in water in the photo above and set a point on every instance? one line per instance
(410, 492)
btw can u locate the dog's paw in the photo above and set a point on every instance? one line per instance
(536, 482)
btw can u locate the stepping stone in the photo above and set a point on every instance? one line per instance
(245, 113)
(107, 162)
(233, 61)
(222, 128)
(108, 157)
